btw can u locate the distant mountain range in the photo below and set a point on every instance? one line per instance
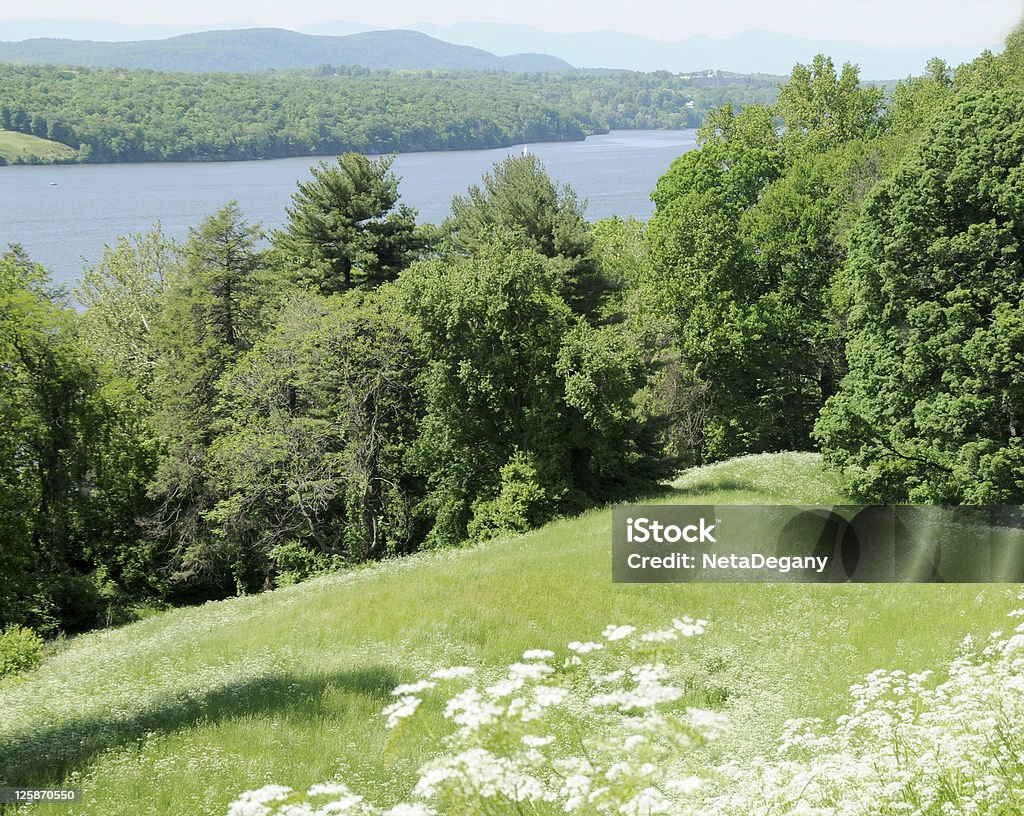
(256, 49)
(242, 47)
(764, 52)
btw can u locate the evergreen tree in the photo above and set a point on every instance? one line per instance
(209, 317)
(519, 199)
(346, 228)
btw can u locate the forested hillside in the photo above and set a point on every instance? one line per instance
(261, 49)
(834, 271)
(116, 115)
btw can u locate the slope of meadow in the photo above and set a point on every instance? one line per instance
(179, 713)
(27, 148)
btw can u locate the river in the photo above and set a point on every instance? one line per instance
(64, 214)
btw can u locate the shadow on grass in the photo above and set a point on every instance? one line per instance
(48, 755)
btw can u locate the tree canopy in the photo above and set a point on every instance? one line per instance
(933, 404)
(345, 226)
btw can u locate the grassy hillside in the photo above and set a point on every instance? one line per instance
(179, 713)
(20, 145)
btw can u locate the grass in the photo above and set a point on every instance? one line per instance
(178, 713)
(15, 146)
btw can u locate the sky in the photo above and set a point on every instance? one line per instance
(888, 22)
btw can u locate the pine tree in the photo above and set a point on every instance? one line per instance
(346, 227)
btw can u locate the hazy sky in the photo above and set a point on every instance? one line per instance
(961, 22)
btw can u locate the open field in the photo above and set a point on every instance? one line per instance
(20, 145)
(179, 713)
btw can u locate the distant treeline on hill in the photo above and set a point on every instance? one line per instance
(262, 49)
(111, 115)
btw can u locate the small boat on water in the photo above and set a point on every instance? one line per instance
(53, 184)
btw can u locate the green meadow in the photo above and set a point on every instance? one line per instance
(14, 146)
(178, 713)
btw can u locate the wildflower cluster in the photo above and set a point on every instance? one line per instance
(909, 745)
(600, 729)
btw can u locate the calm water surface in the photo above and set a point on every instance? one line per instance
(63, 215)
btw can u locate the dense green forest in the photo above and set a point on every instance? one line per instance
(222, 418)
(110, 114)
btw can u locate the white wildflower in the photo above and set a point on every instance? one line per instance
(547, 696)
(470, 711)
(648, 802)
(504, 688)
(254, 802)
(686, 785)
(328, 789)
(688, 627)
(453, 673)
(405, 809)
(405, 707)
(529, 671)
(613, 632)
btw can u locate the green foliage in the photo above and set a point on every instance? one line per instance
(63, 494)
(209, 317)
(511, 372)
(316, 421)
(519, 199)
(491, 325)
(932, 407)
(112, 114)
(744, 249)
(21, 649)
(346, 226)
(619, 247)
(520, 502)
(821, 109)
(121, 296)
(295, 562)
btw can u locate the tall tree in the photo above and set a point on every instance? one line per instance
(527, 407)
(345, 226)
(318, 417)
(55, 423)
(519, 199)
(933, 406)
(822, 109)
(209, 318)
(744, 245)
(122, 295)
